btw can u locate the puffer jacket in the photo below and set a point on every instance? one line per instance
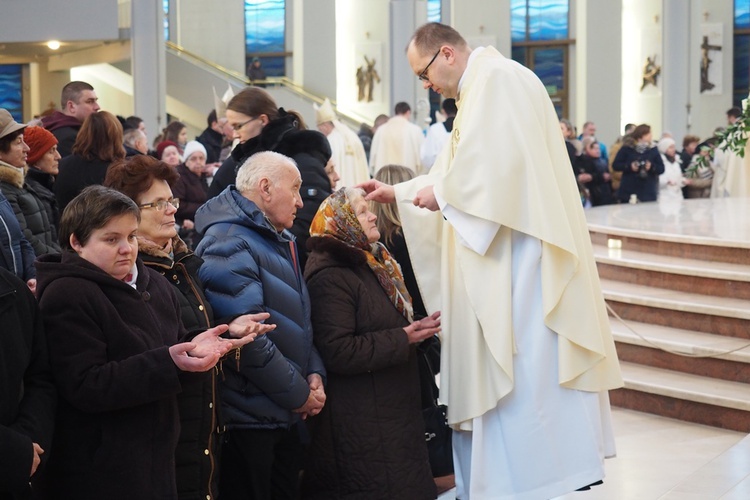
(16, 254)
(43, 185)
(29, 210)
(308, 148)
(249, 267)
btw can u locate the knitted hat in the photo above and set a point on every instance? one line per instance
(7, 124)
(192, 147)
(664, 144)
(324, 112)
(164, 145)
(39, 140)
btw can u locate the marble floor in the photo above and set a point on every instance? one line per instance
(723, 221)
(660, 458)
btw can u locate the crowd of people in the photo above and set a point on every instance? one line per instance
(641, 168)
(239, 315)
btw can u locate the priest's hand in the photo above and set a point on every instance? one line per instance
(426, 199)
(378, 191)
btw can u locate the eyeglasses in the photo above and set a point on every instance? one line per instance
(423, 75)
(238, 126)
(161, 205)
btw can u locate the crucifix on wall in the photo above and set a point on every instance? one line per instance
(705, 63)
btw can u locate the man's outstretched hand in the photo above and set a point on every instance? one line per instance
(378, 191)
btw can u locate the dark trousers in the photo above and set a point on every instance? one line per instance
(261, 464)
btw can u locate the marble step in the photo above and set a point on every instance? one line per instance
(709, 250)
(682, 350)
(673, 273)
(726, 477)
(709, 401)
(727, 316)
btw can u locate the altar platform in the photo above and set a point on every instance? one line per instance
(679, 277)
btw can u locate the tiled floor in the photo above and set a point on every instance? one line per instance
(661, 458)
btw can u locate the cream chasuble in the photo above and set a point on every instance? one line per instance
(738, 174)
(348, 156)
(397, 142)
(509, 168)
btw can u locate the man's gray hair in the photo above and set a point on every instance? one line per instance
(266, 164)
(131, 136)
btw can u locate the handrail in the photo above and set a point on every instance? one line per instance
(282, 81)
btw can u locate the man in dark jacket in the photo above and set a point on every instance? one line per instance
(250, 266)
(78, 101)
(212, 138)
(27, 393)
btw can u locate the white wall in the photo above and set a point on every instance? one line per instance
(213, 30)
(362, 28)
(63, 20)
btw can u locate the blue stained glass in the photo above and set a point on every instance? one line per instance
(548, 19)
(166, 19)
(549, 67)
(741, 14)
(518, 20)
(741, 67)
(10, 90)
(264, 25)
(434, 11)
(518, 54)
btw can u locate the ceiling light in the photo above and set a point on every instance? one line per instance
(53, 44)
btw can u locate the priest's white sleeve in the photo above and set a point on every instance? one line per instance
(474, 232)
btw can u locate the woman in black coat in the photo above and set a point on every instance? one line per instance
(99, 143)
(27, 393)
(146, 181)
(641, 165)
(592, 172)
(119, 356)
(368, 441)
(261, 126)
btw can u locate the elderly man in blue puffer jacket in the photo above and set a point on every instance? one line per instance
(250, 266)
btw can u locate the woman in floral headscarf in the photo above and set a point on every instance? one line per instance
(368, 442)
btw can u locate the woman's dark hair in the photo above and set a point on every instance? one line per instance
(7, 140)
(100, 138)
(640, 131)
(92, 209)
(134, 176)
(172, 131)
(254, 101)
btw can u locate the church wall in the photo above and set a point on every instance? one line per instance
(212, 30)
(362, 29)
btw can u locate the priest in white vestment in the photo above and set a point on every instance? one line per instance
(397, 142)
(347, 151)
(504, 252)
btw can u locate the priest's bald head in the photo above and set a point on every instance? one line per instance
(438, 55)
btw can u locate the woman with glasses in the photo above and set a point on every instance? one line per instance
(146, 181)
(119, 355)
(262, 126)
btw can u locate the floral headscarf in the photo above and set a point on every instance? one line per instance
(336, 219)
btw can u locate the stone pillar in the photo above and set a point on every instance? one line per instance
(404, 18)
(676, 74)
(148, 59)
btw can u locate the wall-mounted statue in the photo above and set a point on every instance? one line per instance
(705, 63)
(651, 72)
(367, 76)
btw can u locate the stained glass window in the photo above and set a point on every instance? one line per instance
(741, 51)
(265, 34)
(10, 90)
(434, 12)
(534, 21)
(166, 19)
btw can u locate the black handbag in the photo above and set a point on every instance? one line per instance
(438, 434)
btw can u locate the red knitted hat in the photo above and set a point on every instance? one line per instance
(39, 140)
(164, 145)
